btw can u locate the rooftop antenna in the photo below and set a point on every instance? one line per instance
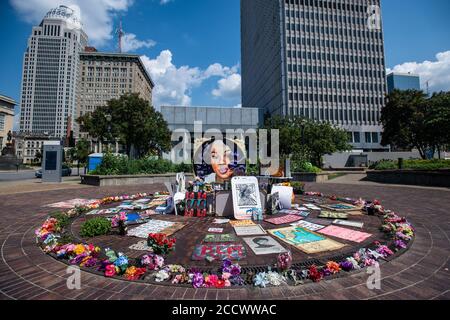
(120, 34)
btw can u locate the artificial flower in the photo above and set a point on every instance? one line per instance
(346, 265)
(274, 278)
(261, 280)
(333, 267)
(197, 280)
(161, 275)
(284, 261)
(110, 270)
(315, 274)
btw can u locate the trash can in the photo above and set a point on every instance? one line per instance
(94, 160)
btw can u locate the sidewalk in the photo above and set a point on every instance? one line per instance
(359, 179)
(33, 185)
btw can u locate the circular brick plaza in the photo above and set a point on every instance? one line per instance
(421, 272)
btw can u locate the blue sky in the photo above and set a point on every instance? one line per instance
(192, 47)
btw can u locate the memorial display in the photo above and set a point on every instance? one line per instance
(205, 239)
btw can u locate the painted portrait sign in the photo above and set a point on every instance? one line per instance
(219, 161)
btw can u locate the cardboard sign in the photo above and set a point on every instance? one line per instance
(296, 235)
(284, 219)
(354, 224)
(307, 225)
(346, 234)
(264, 245)
(245, 196)
(320, 246)
(218, 252)
(249, 230)
(332, 215)
(220, 238)
(285, 195)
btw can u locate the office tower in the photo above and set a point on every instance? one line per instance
(319, 59)
(403, 81)
(50, 73)
(106, 76)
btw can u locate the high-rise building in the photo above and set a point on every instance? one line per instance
(50, 73)
(319, 59)
(403, 81)
(106, 76)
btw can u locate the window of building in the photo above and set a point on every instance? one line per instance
(2, 122)
(356, 137)
(368, 137)
(375, 137)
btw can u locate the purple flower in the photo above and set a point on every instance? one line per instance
(346, 265)
(235, 270)
(400, 244)
(197, 280)
(237, 280)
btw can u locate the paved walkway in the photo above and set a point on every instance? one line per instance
(360, 179)
(420, 273)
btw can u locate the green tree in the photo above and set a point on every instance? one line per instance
(306, 140)
(438, 121)
(133, 121)
(404, 120)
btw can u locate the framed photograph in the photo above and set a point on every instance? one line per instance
(246, 196)
(264, 245)
(255, 230)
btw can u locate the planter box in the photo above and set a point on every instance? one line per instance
(310, 177)
(437, 178)
(129, 180)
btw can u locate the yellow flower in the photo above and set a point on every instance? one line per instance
(79, 249)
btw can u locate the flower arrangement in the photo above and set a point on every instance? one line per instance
(152, 262)
(284, 261)
(160, 243)
(119, 221)
(229, 274)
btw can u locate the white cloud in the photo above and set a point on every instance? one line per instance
(98, 16)
(174, 84)
(131, 43)
(229, 87)
(163, 2)
(437, 72)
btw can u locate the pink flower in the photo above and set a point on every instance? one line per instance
(110, 270)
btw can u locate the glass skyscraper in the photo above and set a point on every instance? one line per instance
(319, 59)
(403, 81)
(50, 74)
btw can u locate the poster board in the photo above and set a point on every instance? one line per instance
(245, 196)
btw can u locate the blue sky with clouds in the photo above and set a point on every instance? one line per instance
(192, 47)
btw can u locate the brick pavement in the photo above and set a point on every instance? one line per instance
(420, 273)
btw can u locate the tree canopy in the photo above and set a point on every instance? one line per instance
(307, 140)
(133, 121)
(413, 120)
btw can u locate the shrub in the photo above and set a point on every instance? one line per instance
(303, 166)
(95, 227)
(434, 164)
(120, 165)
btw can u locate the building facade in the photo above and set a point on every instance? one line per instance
(318, 59)
(403, 81)
(50, 74)
(106, 76)
(6, 119)
(29, 147)
(221, 118)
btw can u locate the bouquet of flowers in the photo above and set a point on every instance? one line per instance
(119, 221)
(160, 243)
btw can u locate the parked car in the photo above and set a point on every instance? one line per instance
(66, 172)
